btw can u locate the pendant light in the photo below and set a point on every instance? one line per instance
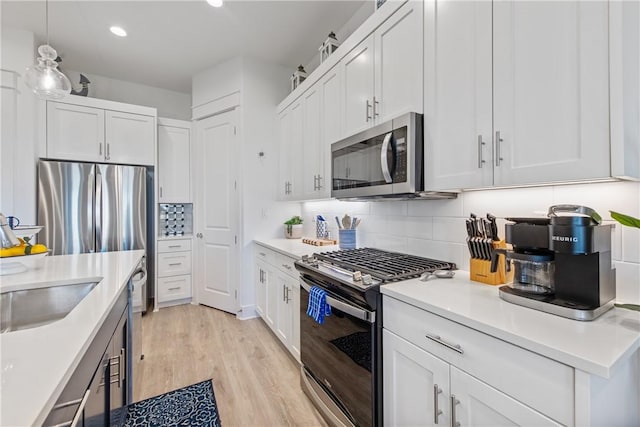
(44, 78)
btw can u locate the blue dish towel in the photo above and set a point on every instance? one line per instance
(318, 307)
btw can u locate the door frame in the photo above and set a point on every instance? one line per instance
(198, 188)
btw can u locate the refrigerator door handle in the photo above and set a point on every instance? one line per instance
(98, 208)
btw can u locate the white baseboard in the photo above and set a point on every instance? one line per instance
(247, 312)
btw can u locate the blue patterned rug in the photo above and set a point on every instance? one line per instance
(194, 405)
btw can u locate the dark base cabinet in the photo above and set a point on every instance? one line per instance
(97, 390)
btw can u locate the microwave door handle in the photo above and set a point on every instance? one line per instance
(383, 158)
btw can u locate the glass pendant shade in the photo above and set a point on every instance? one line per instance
(44, 78)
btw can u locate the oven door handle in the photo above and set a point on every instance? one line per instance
(359, 313)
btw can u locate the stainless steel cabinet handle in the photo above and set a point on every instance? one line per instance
(319, 182)
(284, 297)
(174, 289)
(100, 148)
(288, 267)
(499, 140)
(121, 367)
(161, 191)
(175, 246)
(454, 402)
(108, 151)
(173, 264)
(454, 347)
(375, 110)
(481, 161)
(436, 412)
(262, 254)
(368, 107)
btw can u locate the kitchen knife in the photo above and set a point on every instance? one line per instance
(338, 222)
(469, 237)
(494, 227)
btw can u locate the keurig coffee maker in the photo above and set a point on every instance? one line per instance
(562, 263)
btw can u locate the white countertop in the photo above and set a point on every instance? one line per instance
(595, 347)
(37, 363)
(294, 247)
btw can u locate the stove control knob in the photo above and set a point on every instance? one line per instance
(305, 258)
(357, 276)
(367, 279)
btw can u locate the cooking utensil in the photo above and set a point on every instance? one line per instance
(353, 222)
(438, 274)
(346, 221)
(338, 222)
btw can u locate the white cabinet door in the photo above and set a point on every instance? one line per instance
(312, 158)
(358, 87)
(75, 132)
(550, 67)
(458, 98)
(294, 301)
(261, 288)
(130, 138)
(174, 164)
(283, 326)
(477, 404)
(284, 153)
(416, 385)
(331, 119)
(273, 290)
(296, 148)
(398, 63)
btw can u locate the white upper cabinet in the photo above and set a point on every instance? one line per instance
(331, 124)
(551, 91)
(458, 99)
(130, 138)
(290, 180)
(358, 84)
(398, 63)
(95, 130)
(75, 132)
(382, 76)
(174, 162)
(312, 158)
(515, 93)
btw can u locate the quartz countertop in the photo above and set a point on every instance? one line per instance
(37, 363)
(596, 347)
(294, 247)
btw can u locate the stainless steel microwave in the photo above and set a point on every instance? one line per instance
(383, 162)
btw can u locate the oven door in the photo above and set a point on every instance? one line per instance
(339, 354)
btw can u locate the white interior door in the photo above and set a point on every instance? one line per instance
(217, 212)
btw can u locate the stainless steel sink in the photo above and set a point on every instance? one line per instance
(30, 308)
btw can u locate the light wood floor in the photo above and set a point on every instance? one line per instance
(255, 381)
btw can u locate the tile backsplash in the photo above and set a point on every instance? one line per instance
(436, 228)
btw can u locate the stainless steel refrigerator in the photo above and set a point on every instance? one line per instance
(87, 207)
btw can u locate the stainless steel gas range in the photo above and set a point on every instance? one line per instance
(341, 358)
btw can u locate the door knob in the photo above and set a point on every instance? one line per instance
(199, 235)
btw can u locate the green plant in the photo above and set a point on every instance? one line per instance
(295, 220)
(628, 221)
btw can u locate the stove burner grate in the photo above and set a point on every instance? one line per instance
(384, 265)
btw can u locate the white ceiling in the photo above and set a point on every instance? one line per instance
(169, 41)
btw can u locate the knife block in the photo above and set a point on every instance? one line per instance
(480, 269)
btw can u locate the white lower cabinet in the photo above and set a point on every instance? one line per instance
(440, 372)
(278, 296)
(174, 272)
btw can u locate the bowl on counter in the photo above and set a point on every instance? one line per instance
(23, 231)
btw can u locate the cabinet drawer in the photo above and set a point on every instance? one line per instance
(174, 288)
(174, 245)
(266, 255)
(534, 380)
(174, 263)
(285, 264)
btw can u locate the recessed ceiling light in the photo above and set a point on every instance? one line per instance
(215, 3)
(118, 31)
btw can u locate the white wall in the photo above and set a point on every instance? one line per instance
(217, 82)
(436, 228)
(169, 103)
